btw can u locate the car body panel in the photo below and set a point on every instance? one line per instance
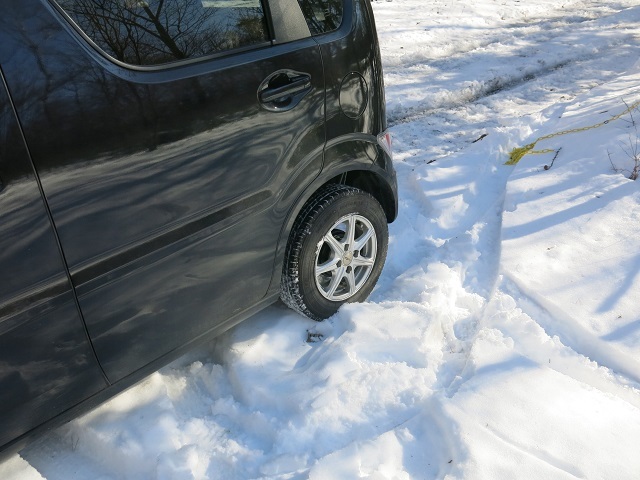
(153, 182)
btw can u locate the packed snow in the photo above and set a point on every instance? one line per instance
(503, 339)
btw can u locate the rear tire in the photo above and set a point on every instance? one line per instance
(336, 251)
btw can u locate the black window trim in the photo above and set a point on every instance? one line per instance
(70, 25)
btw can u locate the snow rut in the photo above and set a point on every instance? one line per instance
(624, 368)
(555, 55)
(475, 91)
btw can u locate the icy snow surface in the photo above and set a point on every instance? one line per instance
(503, 338)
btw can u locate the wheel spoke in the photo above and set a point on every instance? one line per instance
(334, 244)
(328, 266)
(351, 278)
(351, 231)
(335, 281)
(362, 262)
(364, 238)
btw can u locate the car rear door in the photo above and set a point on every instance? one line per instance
(46, 361)
(162, 177)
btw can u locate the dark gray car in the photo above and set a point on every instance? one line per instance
(167, 169)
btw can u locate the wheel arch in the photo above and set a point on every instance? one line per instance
(373, 184)
(365, 176)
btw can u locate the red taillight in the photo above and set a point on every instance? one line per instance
(384, 140)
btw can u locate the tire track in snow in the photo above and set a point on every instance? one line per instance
(530, 61)
(541, 29)
(480, 91)
(519, 20)
(468, 280)
(571, 333)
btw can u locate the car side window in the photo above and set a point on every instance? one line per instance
(322, 15)
(155, 32)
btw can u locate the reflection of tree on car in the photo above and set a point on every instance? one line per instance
(156, 32)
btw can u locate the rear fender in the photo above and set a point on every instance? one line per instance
(357, 161)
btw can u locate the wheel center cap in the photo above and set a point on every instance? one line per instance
(347, 258)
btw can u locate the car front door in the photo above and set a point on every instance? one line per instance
(162, 158)
(46, 361)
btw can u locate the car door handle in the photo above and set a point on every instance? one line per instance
(297, 85)
(283, 90)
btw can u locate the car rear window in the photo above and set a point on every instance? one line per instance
(322, 15)
(154, 32)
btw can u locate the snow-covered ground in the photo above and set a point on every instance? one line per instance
(503, 340)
